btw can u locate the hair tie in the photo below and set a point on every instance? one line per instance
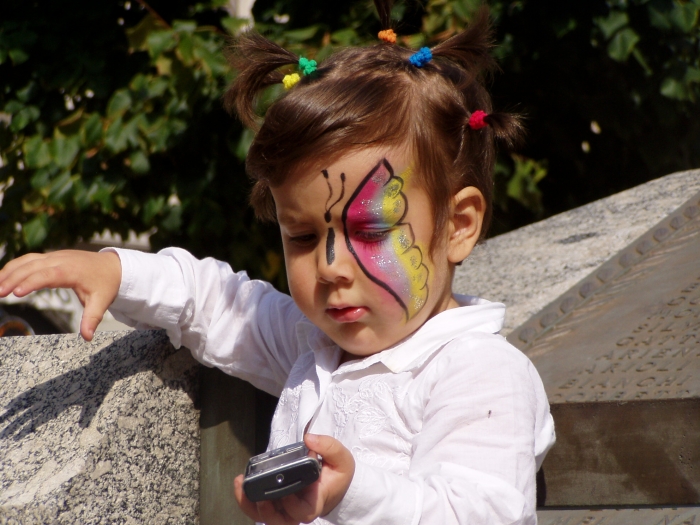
(290, 81)
(421, 57)
(307, 66)
(476, 120)
(388, 36)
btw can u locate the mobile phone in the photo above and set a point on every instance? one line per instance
(280, 472)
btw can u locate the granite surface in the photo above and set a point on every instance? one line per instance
(101, 432)
(530, 267)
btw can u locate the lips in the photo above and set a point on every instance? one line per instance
(348, 314)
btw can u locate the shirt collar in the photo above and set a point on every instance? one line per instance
(473, 315)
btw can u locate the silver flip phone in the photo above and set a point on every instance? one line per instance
(280, 472)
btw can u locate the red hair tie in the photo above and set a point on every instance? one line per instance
(476, 120)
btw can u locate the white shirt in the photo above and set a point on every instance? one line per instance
(448, 426)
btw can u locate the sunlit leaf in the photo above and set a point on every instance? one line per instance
(64, 149)
(35, 230)
(18, 56)
(184, 26)
(684, 16)
(24, 117)
(609, 25)
(301, 35)
(344, 37)
(152, 207)
(91, 132)
(160, 41)
(675, 89)
(36, 152)
(138, 34)
(234, 25)
(244, 143)
(622, 44)
(60, 187)
(139, 162)
(119, 103)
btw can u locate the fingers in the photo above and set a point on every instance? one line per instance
(20, 275)
(95, 309)
(244, 503)
(337, 472)
(334, 454)
(305, 506)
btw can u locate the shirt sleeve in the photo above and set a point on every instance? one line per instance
(474, 459)
(244, 327)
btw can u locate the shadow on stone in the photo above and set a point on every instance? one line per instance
(88, 385)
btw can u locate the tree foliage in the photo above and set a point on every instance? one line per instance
(110, 112)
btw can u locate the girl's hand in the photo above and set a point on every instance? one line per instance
(95, 278)
(313, 501)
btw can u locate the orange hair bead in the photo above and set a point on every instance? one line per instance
(388, 36)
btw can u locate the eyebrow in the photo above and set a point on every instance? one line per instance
(289, 219)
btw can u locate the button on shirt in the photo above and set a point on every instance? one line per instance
(448, 426)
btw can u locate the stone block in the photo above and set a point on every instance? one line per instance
(101, 432)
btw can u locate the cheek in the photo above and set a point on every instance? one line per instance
(300, 280)
(397, 266)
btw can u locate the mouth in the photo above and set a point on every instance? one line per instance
(348, 314)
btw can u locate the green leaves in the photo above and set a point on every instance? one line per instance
(36, 152)
(611, 24)
(622, 44)
(35, 231)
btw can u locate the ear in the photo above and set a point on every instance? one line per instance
(465, 221)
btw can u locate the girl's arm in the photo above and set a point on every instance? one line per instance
(485, 421)
(243, 326)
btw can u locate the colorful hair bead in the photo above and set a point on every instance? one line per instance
(290, 81)
(476, 120)
(307, 66)
(388, 36)
(421, 57)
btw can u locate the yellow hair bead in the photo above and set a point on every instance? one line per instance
(290, 81)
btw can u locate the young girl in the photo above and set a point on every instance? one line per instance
(377, 166)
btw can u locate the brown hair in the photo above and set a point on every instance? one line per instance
(371, 96)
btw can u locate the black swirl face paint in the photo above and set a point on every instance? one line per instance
(330, 238)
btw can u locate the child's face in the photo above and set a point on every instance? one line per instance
(356, 238)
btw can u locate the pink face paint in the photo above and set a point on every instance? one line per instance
(384, 246)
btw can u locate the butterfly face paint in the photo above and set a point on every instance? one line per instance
(382, 244)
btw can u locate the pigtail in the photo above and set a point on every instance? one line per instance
(384, 11)
(507, 128)
(470, 49)
(256, 60)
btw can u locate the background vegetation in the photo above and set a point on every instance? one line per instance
(110, 112)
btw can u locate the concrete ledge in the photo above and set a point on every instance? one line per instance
(102, 432)
(530, 267)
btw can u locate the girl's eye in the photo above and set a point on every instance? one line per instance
(370, 236)
(303, 240)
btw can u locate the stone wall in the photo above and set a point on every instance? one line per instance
(102, 432)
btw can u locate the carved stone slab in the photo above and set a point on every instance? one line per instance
(631, 330)
(619, 355)
(659, 516)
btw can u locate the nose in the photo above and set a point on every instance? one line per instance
(334, 262)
